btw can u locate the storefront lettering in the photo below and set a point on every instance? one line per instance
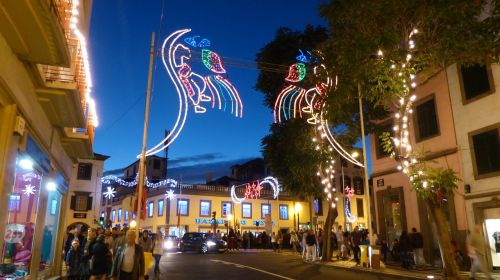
(200, 221)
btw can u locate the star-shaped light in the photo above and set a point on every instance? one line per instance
(170, 194)
(29, 190)
(110, 193)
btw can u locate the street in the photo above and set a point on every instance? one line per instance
(252, 265)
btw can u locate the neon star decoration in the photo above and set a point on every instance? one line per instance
(201, 91)
(253, 189)
(29, 189)
(109, 193)
(170, 194)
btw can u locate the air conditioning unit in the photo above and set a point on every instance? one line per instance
(19, 126)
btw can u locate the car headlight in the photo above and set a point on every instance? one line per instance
(168, 244)
(210, 243)
(225, 243)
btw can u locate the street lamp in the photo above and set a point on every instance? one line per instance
(298, 207)
(133, 224)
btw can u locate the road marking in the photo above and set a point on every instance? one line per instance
(253, 268)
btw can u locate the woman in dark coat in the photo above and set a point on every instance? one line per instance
(99, 259)
(404, 249)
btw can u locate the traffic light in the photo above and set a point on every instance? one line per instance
(101, 221)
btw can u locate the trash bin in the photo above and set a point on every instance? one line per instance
(375, 257)
(364, 255)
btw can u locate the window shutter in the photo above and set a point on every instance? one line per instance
(89, 203)
(73, 202)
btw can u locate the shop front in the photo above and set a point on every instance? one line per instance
(487, 213)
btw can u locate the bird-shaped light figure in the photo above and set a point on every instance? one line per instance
(202, 91)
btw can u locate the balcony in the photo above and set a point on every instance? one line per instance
(77, 142)
(34, 31)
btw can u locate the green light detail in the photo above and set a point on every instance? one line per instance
(302, 71)
(205, 57)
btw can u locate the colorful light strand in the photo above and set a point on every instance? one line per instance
(109, 179)
(253, 189)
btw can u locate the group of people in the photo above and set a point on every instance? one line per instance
(99, 254)
(408, 249)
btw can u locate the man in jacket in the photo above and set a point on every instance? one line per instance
(417, 244)
(128, 263)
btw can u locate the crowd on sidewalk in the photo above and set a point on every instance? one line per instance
(110, 254)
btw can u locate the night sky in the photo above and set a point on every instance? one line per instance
(120, 36)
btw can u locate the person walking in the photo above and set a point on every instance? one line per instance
(311, 243)
(476, 248)
(404, 249)
(158, 250)
(279, 240)
(99, 259)
(304, 245)
(128, 263)
(73, 260)
(340, 244)
(87, 252)
(417, 244)
(145, 241)
(294, 241)
(273, 241)
(355, 240)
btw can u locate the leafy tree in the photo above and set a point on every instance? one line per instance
(451, 31)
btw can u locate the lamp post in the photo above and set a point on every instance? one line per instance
(298, 207)
(229, 218)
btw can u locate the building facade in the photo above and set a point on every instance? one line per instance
(475, 98)
(47, 119)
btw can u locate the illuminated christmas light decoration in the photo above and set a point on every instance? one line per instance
(193, 87)
(253, 189)
(296, 73)
(109, 179)
(109, 193)
(302, 57)
(348, 194)
(170, 194)
(29, 189)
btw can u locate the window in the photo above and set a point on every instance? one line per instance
(246, 210)
(476, 81)
(344, 162)
(160, 207)
(318, 206)
(265, 210)
(53, 207)
(151, 208)
(119, 214)
(346, 182)
(124, 216)
(81, 202)
(486, 151)
(426, 122)
(387, 127)
(15, 203)
(358, 187)
(227, 208)
(134, 216)
(84, 171)
(283, 212)
(359, 207)
(113, 215)
(205, 208)
(156, 164)
(183, 207)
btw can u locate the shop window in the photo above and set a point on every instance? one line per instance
(113, 215)
(160, 207)
(84, 171)
(183, 207)
(246, 210)
(50, 230)
(486, 151)
(20, 228)
(283, 212)
(359, 207)
(227, 208)
(119, 214)
(426, 124)
(346, 182)
(205, 208)
(151, 208)
(476, 81)
(15, 203)
(265, 210)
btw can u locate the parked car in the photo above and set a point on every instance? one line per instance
(171, 243)
(201, 242)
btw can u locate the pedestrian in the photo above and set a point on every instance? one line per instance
(311, 243)
(99, 259)
(145, 241)
(87, 252)
(73, 260)
(355, 240)
(304, 245)
(340, 244)
(395, 250)
(246, 240)
(417, 245)
(294, 241)
(273, 241)
(158, 250)
(319, 241)
(404, 249)
(477, 249)
(384, 250)
(279, 240)
(128, 263)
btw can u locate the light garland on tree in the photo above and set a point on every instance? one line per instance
(253, 189)
(193, 87)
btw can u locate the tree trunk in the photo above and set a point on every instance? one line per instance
(327, 233)
(438, 215)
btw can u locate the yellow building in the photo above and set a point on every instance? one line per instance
(47, 120)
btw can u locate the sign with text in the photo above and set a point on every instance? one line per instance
(80, 215)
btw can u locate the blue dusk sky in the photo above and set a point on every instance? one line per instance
(120, 36)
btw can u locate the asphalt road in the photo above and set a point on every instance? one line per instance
(252, 265)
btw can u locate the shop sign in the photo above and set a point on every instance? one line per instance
(80, 215)
(201, 221)
(14, 233)
(380, 182)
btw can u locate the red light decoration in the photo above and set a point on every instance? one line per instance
(252, 190)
